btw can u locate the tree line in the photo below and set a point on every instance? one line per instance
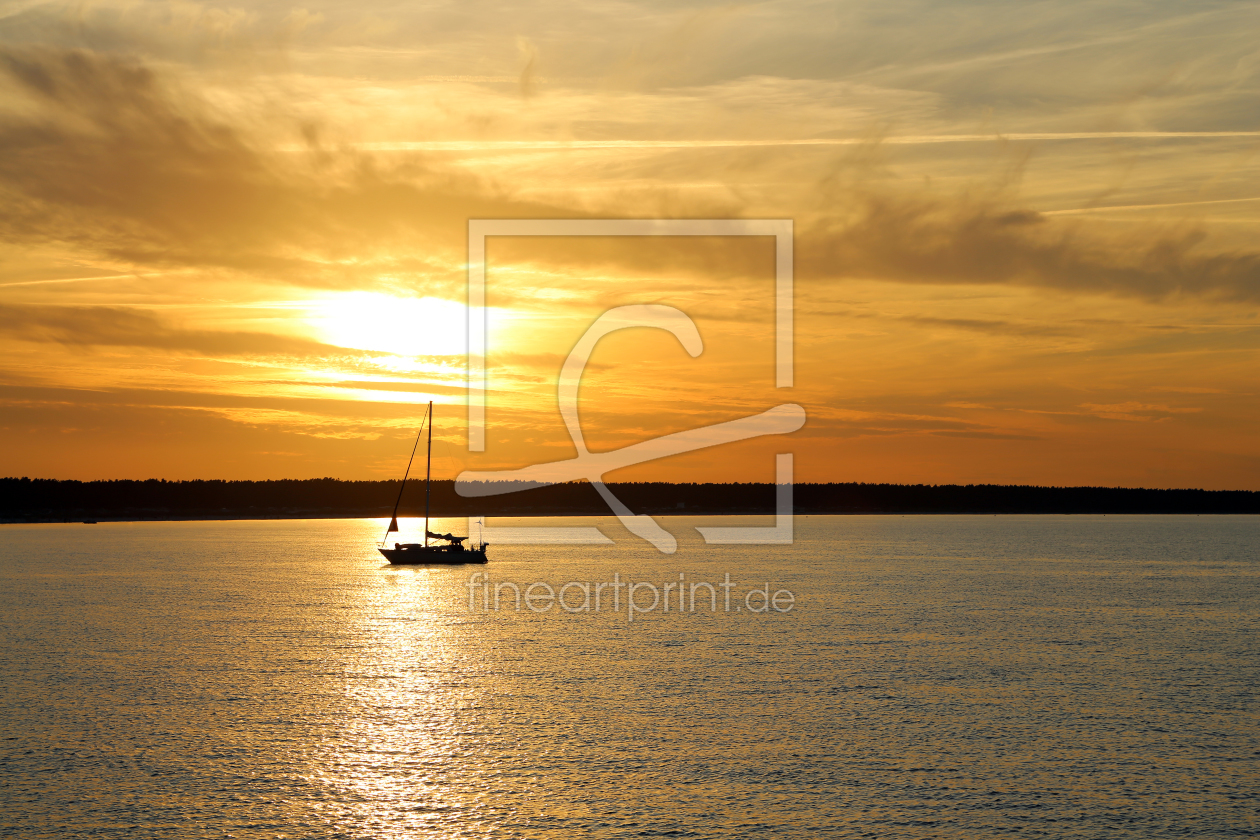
(52, 500)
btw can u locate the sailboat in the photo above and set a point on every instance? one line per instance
(447, 549)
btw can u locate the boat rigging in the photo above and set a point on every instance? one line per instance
(447, 549)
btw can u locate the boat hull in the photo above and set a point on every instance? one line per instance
(433, 555)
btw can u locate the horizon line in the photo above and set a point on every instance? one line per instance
(530, 485)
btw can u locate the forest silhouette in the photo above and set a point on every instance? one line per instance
(51, 500)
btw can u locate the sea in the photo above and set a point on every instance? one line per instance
(878, 677)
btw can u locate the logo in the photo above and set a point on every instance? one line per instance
(592, 466)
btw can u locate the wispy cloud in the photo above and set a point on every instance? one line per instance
(1081, 211)
(86, 326)
(1136, 411)
(110, 155)
(893, 140)
(922, 238)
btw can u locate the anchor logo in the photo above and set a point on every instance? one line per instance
(592, 466)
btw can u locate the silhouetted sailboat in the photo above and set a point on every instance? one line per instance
(450, 550)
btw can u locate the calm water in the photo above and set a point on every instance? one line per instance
(952, 677)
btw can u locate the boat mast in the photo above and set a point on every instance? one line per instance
(393, 517)
(428, 464)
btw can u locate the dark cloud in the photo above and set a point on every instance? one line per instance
(926, 239)
(994, 326)
(112, 156)
(115, 160)
(916, 237)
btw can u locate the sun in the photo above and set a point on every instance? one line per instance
(403, 326)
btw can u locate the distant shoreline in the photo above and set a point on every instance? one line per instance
(608, 515)
(25, 500)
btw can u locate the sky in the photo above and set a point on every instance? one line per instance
(233, 237)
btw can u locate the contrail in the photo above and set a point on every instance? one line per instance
(87, 279)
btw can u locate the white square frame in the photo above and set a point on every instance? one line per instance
(477, 377)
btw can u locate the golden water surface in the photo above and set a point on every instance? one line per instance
(949, 677)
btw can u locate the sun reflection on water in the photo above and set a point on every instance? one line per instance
(399, 763)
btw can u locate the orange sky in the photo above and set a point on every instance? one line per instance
(232, 237)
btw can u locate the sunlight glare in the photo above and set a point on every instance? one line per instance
(426, 326)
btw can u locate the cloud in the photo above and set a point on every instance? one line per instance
(118, 326)
(109, 155)
(1136, 411)
(359, 413)
(999, 327)
(118, 158)
(912, 235)
(928, 239)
